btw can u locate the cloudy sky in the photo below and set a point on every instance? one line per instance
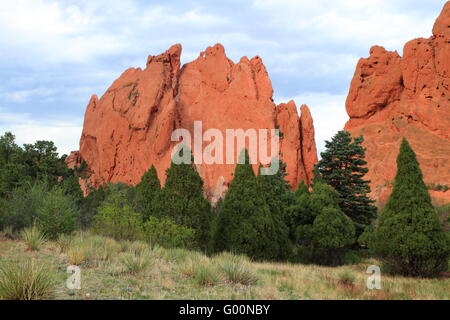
(55, 54)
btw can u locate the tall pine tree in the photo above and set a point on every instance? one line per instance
(245, 223)
(147, 191)
(343, 167)
(183, 202)
(409, 238)
(278, 197)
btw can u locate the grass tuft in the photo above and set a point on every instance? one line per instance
(26, 280)
(205, 274)
(236, 269)
(135, 262)
(34, 238)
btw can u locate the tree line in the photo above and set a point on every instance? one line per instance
(330, 222)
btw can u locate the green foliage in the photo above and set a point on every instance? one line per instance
(409, 238)
(343, 167)
(135, 262)
(89, 206)
(236, 269)
(278, 197)
(57, 213)
(205, 274)
(182, 201)
(245, 223)
(26, 279)
(22, 208)
(147, 191)
(346, 278)
(323, 232)
(116, 217)
(33, 238)
(38, 161)
(165, 233)
(333, 230)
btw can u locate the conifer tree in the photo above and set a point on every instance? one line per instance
(147, 191)
(183, 202)
(245, 224)
(343, 167)
(323, 231)
(409, 238)
(278, 197)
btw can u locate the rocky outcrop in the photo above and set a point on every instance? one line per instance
(129, 128)
(392, 97)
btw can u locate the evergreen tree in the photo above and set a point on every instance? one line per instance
(343, 167)
(409, 238)
(183, 202)
(299, 212)
(323, 232)
(147, 191)
(245, 224)
(278, 197)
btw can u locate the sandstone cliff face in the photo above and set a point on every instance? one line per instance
(129, 128)
(392, 97)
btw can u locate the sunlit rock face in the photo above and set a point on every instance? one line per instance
(129, 128)
(392, 97)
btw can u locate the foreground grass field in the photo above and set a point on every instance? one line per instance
(133, 270)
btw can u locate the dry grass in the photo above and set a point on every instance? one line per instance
(183, 274)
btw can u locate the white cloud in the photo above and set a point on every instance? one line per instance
(352, 22)
(65, 135)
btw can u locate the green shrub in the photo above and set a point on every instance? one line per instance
(409, 238)
(21, 210)
(351, 257)
(77, 254)
(134, 263)
(346, 278)
(57, 214)
(26, 280)
(165, 233)
(8, 233)
(205, 275)
(245, 223)
(64, 242)
(34, 238)
(138, 247)
(236, 269)
(327, 232)
(119, 221)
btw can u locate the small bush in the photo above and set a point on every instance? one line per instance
(76, 255)
(205, 275)
(350, 257)
(26, 280)
(134, 263)
(8, 233)
(58, 213)
(236, 269)
(167, 234)
(118, 221)
(64, 242)
(346, 278)
(34, 238)
(138, 247)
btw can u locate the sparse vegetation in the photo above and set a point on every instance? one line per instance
(26, 279)
(184, 274)
(33, 237)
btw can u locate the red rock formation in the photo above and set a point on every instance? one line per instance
(129, 128)
(393, 97)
